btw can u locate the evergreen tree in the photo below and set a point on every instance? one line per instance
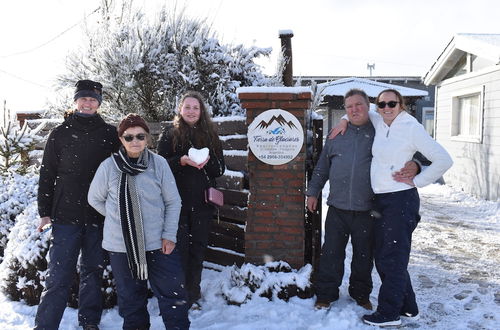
(16, 143)
(146, 64)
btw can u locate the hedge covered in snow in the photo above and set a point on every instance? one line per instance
(23, 269)
(16, 193)
(24, 249)
(274, 280)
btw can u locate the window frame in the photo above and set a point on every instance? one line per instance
(455, 115)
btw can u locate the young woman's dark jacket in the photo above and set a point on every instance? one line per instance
(191, 182)
(72, 155)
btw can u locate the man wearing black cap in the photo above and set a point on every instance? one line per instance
(72, 155)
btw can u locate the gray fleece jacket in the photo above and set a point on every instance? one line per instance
(158, 196)
(345, 161)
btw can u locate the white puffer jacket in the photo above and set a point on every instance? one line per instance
(394, 145)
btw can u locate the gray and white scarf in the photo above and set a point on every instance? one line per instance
(130, 211)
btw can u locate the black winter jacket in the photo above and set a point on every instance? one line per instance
(72, 155)
(191, 182)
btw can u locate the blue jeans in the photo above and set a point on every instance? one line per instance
(167, 281)
(67, 242)
(393, 234)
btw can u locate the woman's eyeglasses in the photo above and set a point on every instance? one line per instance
(390, 104)
(131, 137)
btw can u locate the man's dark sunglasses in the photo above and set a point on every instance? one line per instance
(391, 104)
(130, 137)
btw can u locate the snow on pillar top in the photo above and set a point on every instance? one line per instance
(286, 33)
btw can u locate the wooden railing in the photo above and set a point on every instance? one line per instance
(227, 236)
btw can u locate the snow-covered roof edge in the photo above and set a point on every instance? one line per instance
(292, 90)
(28, 111)
(229, 118)
(480, 44)
(371, 87)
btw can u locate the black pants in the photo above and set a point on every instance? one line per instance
(340, 224)
(393, 232)
(192, 240)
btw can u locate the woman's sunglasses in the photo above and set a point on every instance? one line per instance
(391, 104)
(131, 137)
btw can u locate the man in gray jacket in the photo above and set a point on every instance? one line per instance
(345, 161)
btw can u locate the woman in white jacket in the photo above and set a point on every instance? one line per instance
(398, 136)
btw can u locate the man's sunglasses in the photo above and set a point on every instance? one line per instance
(131, 137)
(391, 104)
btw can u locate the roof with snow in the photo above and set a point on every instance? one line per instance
(279, 90)
(29, 111)
(372, 88)
(480, 44)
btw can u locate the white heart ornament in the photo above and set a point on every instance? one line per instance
(198, 155)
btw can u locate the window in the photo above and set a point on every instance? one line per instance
(428, 120)
(467, 116)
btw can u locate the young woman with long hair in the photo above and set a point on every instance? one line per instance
(193, 128)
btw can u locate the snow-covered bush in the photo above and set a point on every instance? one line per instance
(272, 280)
(17, 192)
(23, 270)
(109, 288)
(146, 63)
(15, 143)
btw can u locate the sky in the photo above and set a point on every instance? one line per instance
(331, 37)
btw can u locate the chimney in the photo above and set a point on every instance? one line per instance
(286, 48)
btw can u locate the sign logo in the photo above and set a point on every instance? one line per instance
(275, 137)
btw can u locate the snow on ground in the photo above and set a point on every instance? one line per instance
(455, 268)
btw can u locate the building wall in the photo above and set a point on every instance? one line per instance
(476, 166)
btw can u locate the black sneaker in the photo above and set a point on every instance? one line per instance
(381, 320)
(410, 316)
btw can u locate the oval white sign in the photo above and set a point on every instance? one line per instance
(275, 137)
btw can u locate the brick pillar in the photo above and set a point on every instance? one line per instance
(276, 205)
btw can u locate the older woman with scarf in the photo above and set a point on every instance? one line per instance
(193, 128)
(135, 190)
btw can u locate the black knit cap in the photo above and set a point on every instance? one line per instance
(88, 88)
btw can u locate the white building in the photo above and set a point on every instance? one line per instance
(333, 92)
(467, 111)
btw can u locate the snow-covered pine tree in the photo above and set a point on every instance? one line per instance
(145, 64)
(23, 269)
(16, 143)
(17, 192)
(16, 176)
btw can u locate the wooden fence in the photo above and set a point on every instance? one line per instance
(227, 237)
